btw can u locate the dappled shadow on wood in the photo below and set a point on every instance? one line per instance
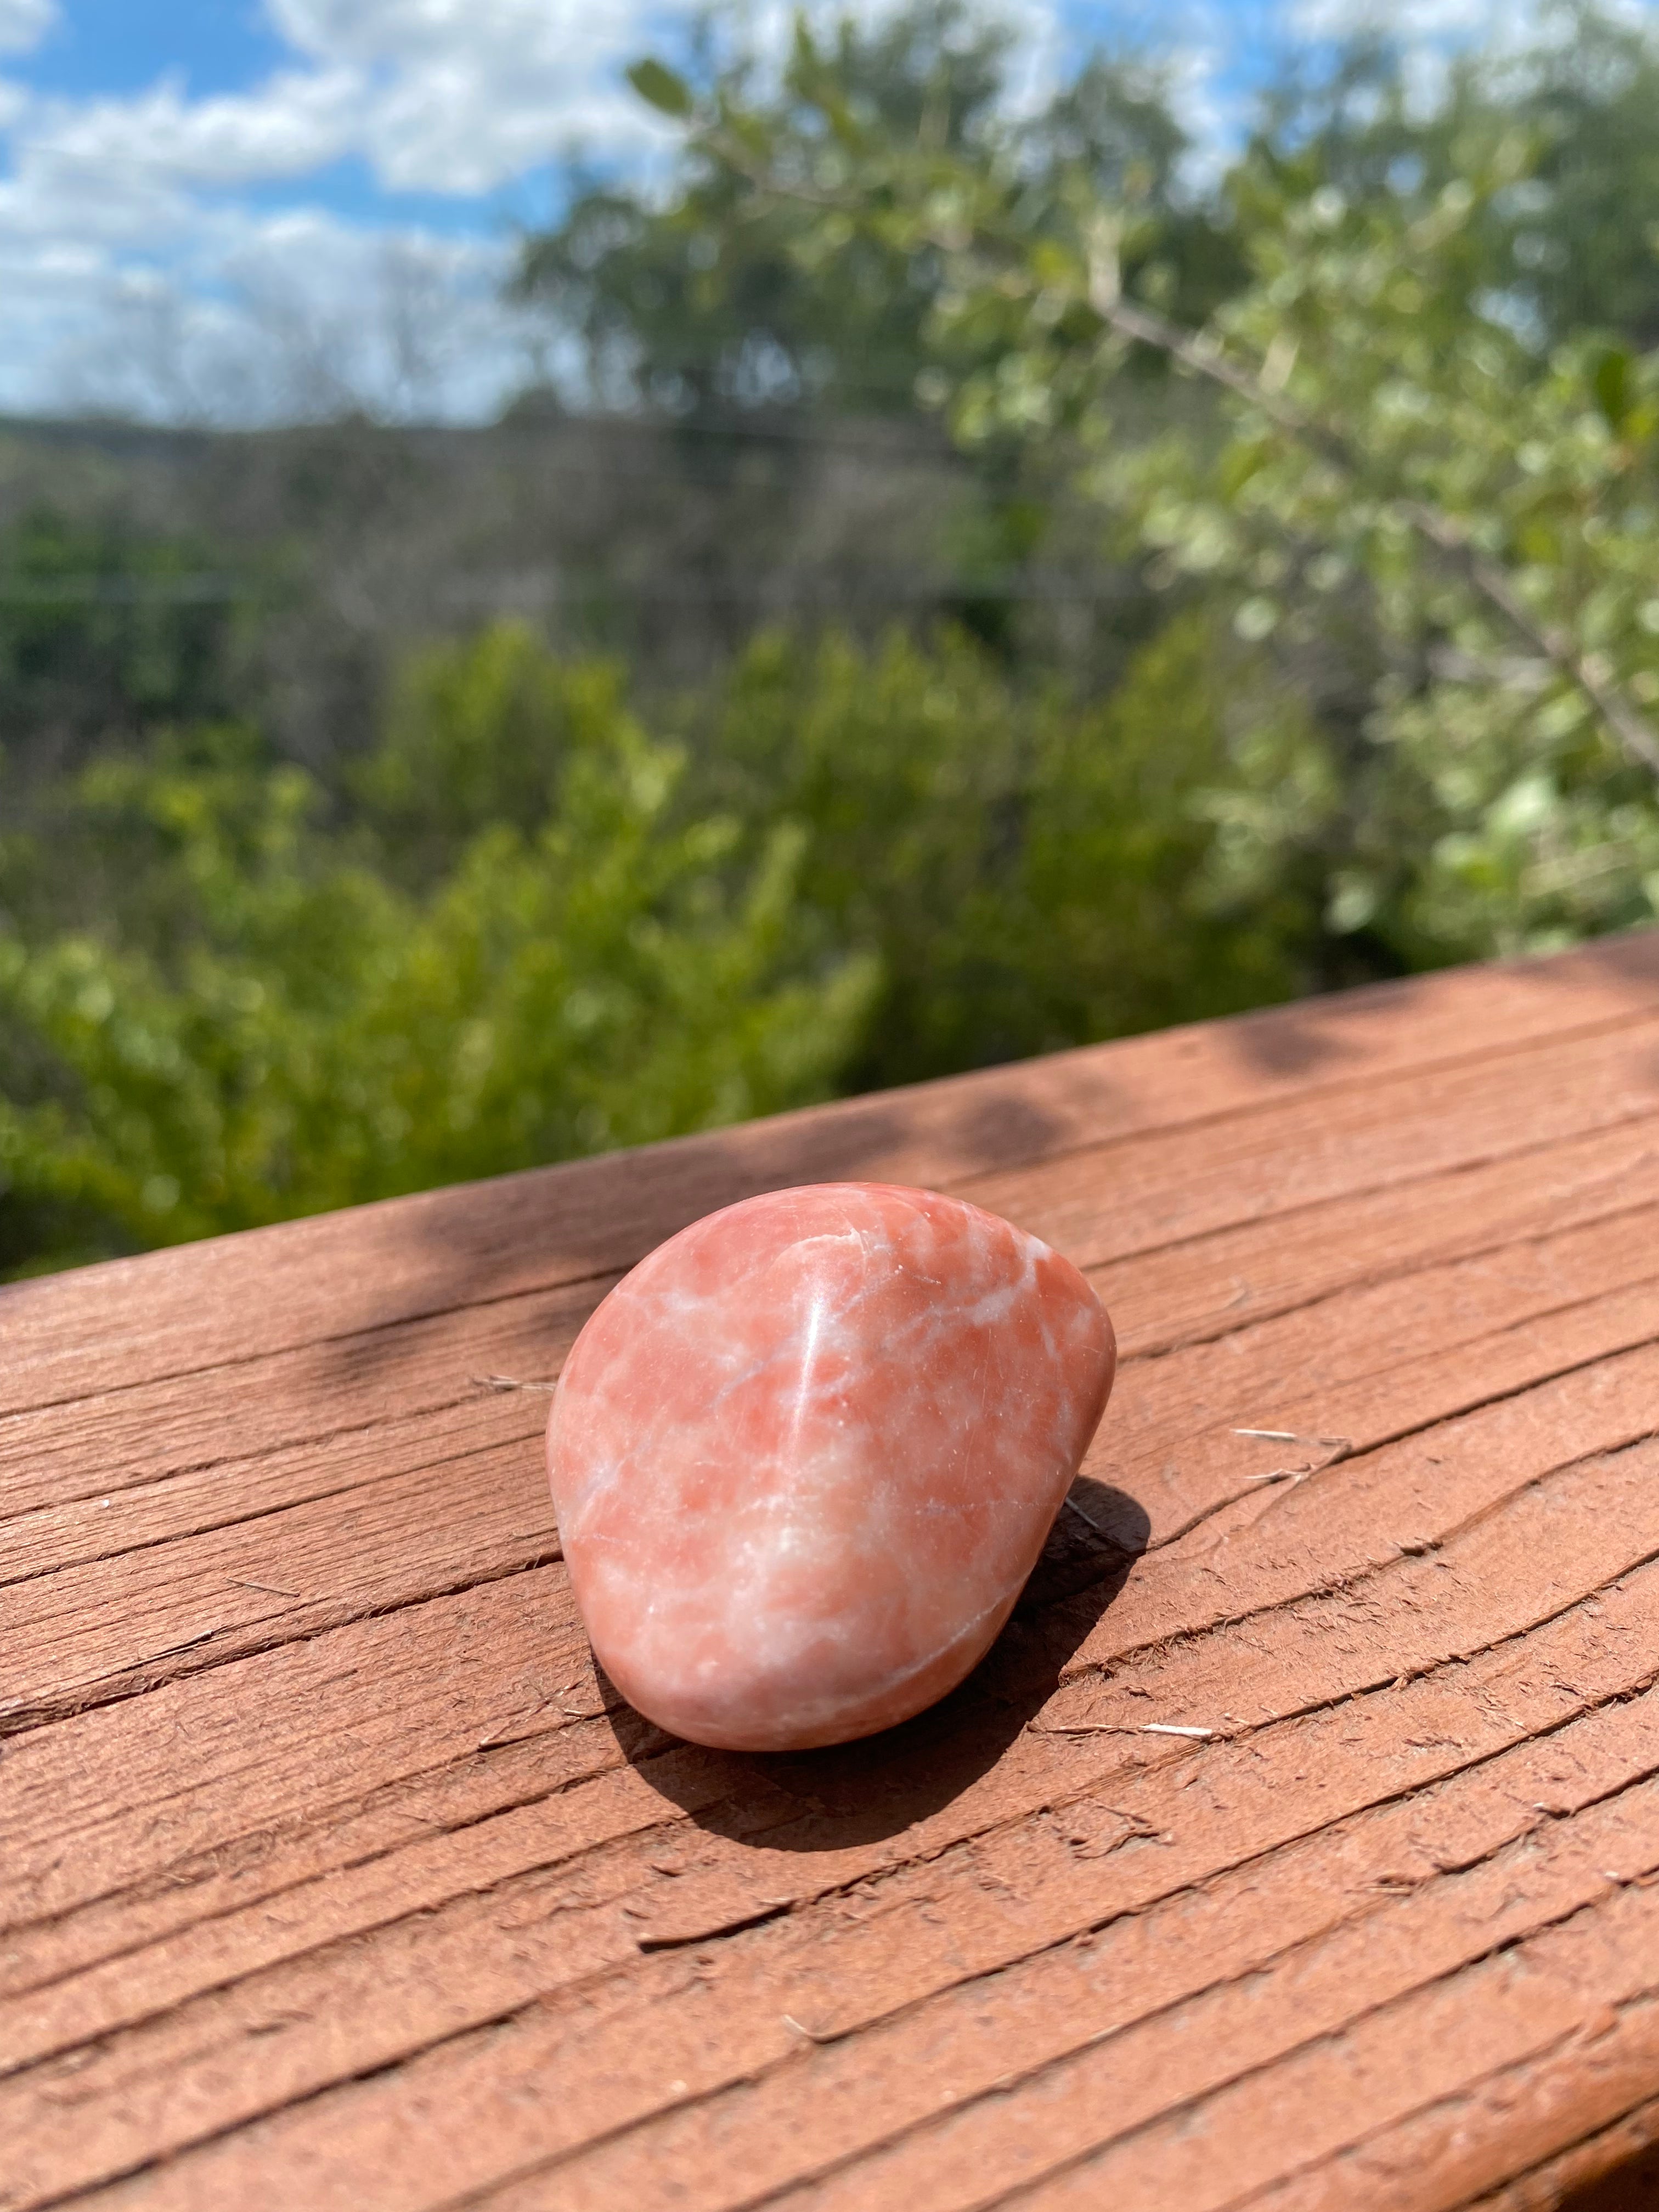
(574, 1228)
(860, 1793)
(1318, 1033)
(568, 1231)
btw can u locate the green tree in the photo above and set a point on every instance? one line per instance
(1571, 246)
(705, 302)
(710, 299)
(1381, 449)
(1584, 243)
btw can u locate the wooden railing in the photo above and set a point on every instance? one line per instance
(1293, 1849)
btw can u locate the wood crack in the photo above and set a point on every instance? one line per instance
(584, 1988)
(1024, 2078)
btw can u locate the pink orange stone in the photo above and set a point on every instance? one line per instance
(805, 1455)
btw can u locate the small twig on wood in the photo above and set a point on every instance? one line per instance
(1333, 1449)
(1292, 1437)
(1080, 1728)
(508, 1383)
(800, 2028)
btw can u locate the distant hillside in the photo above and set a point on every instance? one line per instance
(314, 554)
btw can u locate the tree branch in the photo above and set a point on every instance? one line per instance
(1630, 729)
(1602, 688)
(1205, 357)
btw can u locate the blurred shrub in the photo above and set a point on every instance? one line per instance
(1031, 873)
(523, 929)
(261, 1020)
(106, 627)
(478, 735)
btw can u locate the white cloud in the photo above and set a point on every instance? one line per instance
(435, 96)
(294, 124)
(461, 95)
(1404, 19)
(129, 238)
(24, 23)
(132, 275)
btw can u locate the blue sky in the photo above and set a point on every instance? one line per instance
(236, 208)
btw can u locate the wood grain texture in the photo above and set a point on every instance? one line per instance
(331, 1875)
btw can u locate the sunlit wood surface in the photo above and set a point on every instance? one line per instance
(331, 1879)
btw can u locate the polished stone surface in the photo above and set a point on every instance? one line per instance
(805, 1455)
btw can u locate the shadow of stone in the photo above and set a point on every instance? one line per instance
(1631, 2187)
(860, 1793)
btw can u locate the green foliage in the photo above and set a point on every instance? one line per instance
(1586, 244)
(525, 929)
(712, 300)
(1385, 458)
(1379, 413)
(1494, 517)
(1571, 247)
(688, 305)
(267, 1024)
(1030, 872)
(103, 632)
(662, 88)
(479, 736)
(1492, 514)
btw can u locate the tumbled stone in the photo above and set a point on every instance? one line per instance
(805, 1455)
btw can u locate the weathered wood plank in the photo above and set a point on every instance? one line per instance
(353, 1434)
(1611, 2168)
(303, 1282)
(1471, 1577)
(566, 2007)
(333, 1876)
(271, 1571)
